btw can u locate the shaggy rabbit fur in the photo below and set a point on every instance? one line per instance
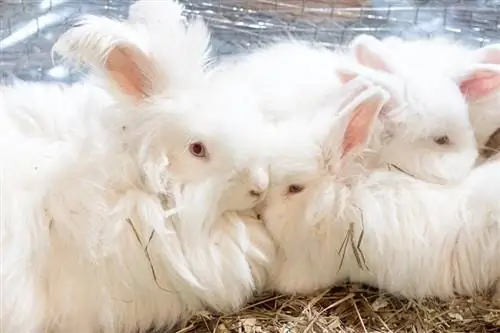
(120, 194)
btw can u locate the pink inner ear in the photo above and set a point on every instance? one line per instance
(357, 130)
(126, 67)
(480, 84)
(346, 77)
(368, 57)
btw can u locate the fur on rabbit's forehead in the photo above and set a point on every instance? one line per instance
(227, 127)
(435, 102)
(295, 153)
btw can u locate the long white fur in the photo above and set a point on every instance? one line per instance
(294, 79)
(86, 175)
(419, 239)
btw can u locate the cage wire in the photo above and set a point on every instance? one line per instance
(28, 28)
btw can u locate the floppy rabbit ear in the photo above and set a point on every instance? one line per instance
(358, 117)
(483, 78)
(111, 47)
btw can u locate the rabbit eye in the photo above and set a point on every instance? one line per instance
(198, 149)
(295, 188)
(442, 140)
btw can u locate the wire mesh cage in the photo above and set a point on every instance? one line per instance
(28, 28)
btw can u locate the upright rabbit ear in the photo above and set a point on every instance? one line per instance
(358, 116)
(188, 51)
(484, 76)
(111, 47)
(369, 52)
(372, 60)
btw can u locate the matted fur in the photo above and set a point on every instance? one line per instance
(108, 222)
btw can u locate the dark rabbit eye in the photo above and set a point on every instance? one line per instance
(295, 188)
(442, 140)
(198, 149)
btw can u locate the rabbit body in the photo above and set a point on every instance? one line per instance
(109, 222)
(418, 239)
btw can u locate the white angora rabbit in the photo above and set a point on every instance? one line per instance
(120, 194)
(415, 238)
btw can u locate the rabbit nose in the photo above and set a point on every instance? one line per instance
(260, 181)
(255, 193)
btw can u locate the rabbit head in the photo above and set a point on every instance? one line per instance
(474, 70)
(191, 141)
(312, 168)
(427, 131)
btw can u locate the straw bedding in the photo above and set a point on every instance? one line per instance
(353, 308)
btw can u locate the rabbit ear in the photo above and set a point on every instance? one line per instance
(372, 60)
(484, 77)
(358, 116)
(372, 53)
(349, 73)
(111, 47)
(188, 51)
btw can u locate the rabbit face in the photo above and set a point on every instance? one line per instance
(475, 71)
(217, 144)
(427, 131)
(307, 161)
(311, 177)
(427, 135)
(198, 139)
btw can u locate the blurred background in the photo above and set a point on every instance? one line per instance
(28, 28)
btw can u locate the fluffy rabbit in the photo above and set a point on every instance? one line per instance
(119, 194)
(424, 134)
(415, 238)
(435, 127)
(475, 71)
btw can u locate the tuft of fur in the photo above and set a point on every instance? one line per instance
(108, 222)
(382, 228)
